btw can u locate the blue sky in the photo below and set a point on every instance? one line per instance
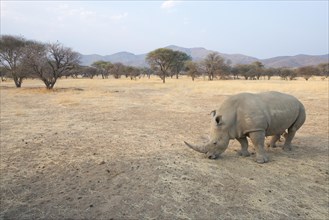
(261, 29)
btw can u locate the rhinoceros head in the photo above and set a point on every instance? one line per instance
(219, 139)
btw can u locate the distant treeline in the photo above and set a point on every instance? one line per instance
(21, 59)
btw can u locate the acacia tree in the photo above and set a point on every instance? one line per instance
(161, 60)
(307, 72)
(132, 72)
(193, 69)
(118, 70)
(213, 65)
(287, 73)
(235, 72)
(252, 71)
(49, 62)
(269, 72)
(103, 67)
(178, 64)
(11, 53)
(87, 71)
(243, 70)
(258, 69)
(146, 71)
(324, 69)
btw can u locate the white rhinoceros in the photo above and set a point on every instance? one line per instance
(255, 116)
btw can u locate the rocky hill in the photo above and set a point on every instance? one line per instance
(295, 61)
(199, 53)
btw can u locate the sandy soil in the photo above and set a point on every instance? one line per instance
(113, 149)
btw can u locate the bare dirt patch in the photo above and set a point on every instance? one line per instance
(113, 149)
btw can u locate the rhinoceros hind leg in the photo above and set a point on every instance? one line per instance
(292, 130)
(273, 141)
(289, 136)
(258, 139)
(244, 147)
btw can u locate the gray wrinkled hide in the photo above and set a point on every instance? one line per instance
(255, 116)
(272, 112)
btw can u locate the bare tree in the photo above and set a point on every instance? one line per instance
(34, 60)
(3, 73)
(11, 53)
(49, 62)
(60, 59)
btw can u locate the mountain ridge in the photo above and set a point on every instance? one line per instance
(199, 53)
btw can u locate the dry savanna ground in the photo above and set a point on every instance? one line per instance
(113, 149)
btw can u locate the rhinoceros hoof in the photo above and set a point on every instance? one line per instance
(243, 153)
(261, 159)
(271, 145)
(286, 148)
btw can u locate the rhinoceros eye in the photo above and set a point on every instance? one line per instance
(215, 143)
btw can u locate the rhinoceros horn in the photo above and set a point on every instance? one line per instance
(199, 148)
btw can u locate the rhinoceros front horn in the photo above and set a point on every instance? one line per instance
(201, 149)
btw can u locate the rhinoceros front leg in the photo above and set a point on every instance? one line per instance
(258, 139)
(244, 147)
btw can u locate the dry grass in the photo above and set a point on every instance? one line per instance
(102, 149)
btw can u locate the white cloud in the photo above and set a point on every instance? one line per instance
(186, 21)
(65, 11)
(169, 4)
(119, 17)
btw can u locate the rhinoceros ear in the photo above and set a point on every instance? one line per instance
(219, 120)
(213, 113)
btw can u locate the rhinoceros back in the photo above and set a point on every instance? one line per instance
(282, 111)
(272, 112)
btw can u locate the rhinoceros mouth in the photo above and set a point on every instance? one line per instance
(203, 149)
(212, 156)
